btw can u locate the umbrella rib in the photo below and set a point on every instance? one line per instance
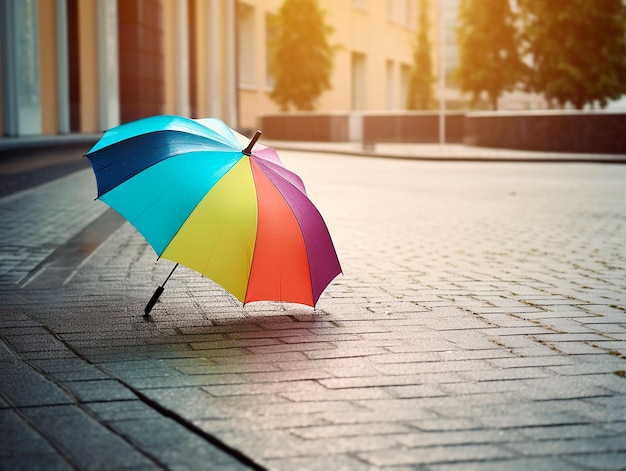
(112, 147)
(269, 165)
(164, 196)
(306, 249)
(294, 217)
(156, 203)
(268, 169)
(256, 236)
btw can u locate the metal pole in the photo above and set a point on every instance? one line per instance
(107, 65)
(181, 67)
(63, 78)
(442, 72)
(216, 68)
(231, 65)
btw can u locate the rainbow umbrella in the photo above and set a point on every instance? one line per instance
(201, 199)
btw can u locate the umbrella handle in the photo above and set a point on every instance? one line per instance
(155, 297)
(157, 293)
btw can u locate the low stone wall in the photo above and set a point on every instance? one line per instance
(366, 127)
(306, 127)
(421, 127)
(566, 131)
(569, 131)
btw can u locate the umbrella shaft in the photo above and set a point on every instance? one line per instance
(168, 276)
(248, 150)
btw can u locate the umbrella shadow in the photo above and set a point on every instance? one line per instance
(242, 351)
(272, 331)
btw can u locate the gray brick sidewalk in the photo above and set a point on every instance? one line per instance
(36, 222)
(480, 324)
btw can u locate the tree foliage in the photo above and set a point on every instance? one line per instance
(421, 92)
(300, 56)
(578, 49)
(489, 59)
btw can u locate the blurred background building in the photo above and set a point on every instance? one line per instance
(87, 65)
(83, 66)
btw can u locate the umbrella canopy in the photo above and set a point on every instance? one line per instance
(236, 215)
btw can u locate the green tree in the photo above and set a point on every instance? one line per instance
(489, 59)
(577, 48)
(421, 79)
(300, 57)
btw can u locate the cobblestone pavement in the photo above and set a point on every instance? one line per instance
(480, 323)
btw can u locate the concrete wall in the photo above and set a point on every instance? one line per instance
(366, 127)
(569, 131)
(411, 127)
(305, 127)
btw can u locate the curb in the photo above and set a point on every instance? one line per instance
(539, 157)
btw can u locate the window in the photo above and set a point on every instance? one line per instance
(405, 74)
(245, 20)
(390, 85)
(359, 83)
(402, 12)
(410, 20)
(270, 34)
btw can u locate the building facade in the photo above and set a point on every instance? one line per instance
(372, 62)
(83, 66)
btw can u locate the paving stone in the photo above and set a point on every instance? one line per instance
(529, 362)
(433, 367)
(574, 446)
(316, 463)
(165, 382)
(347, 394)
(19, 439)
(607, 461)
(329, 431)
(85, 442)
(414, 456)
(113, 411)
(258, 423)
(459, 437)
(564, 432)
(374, 379)
(99, 390)
(173, 445)
(514, 421)
(23, 386)
(46, 462)
(273, 444)
(515, 464)
(416, 390)
(506, 374)
(263, 388)
(234, 367)
(442, 423)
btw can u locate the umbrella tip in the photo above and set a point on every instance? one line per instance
(248, 150)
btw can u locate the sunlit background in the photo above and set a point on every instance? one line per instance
(83, 66)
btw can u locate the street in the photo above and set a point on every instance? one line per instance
(479, 323)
